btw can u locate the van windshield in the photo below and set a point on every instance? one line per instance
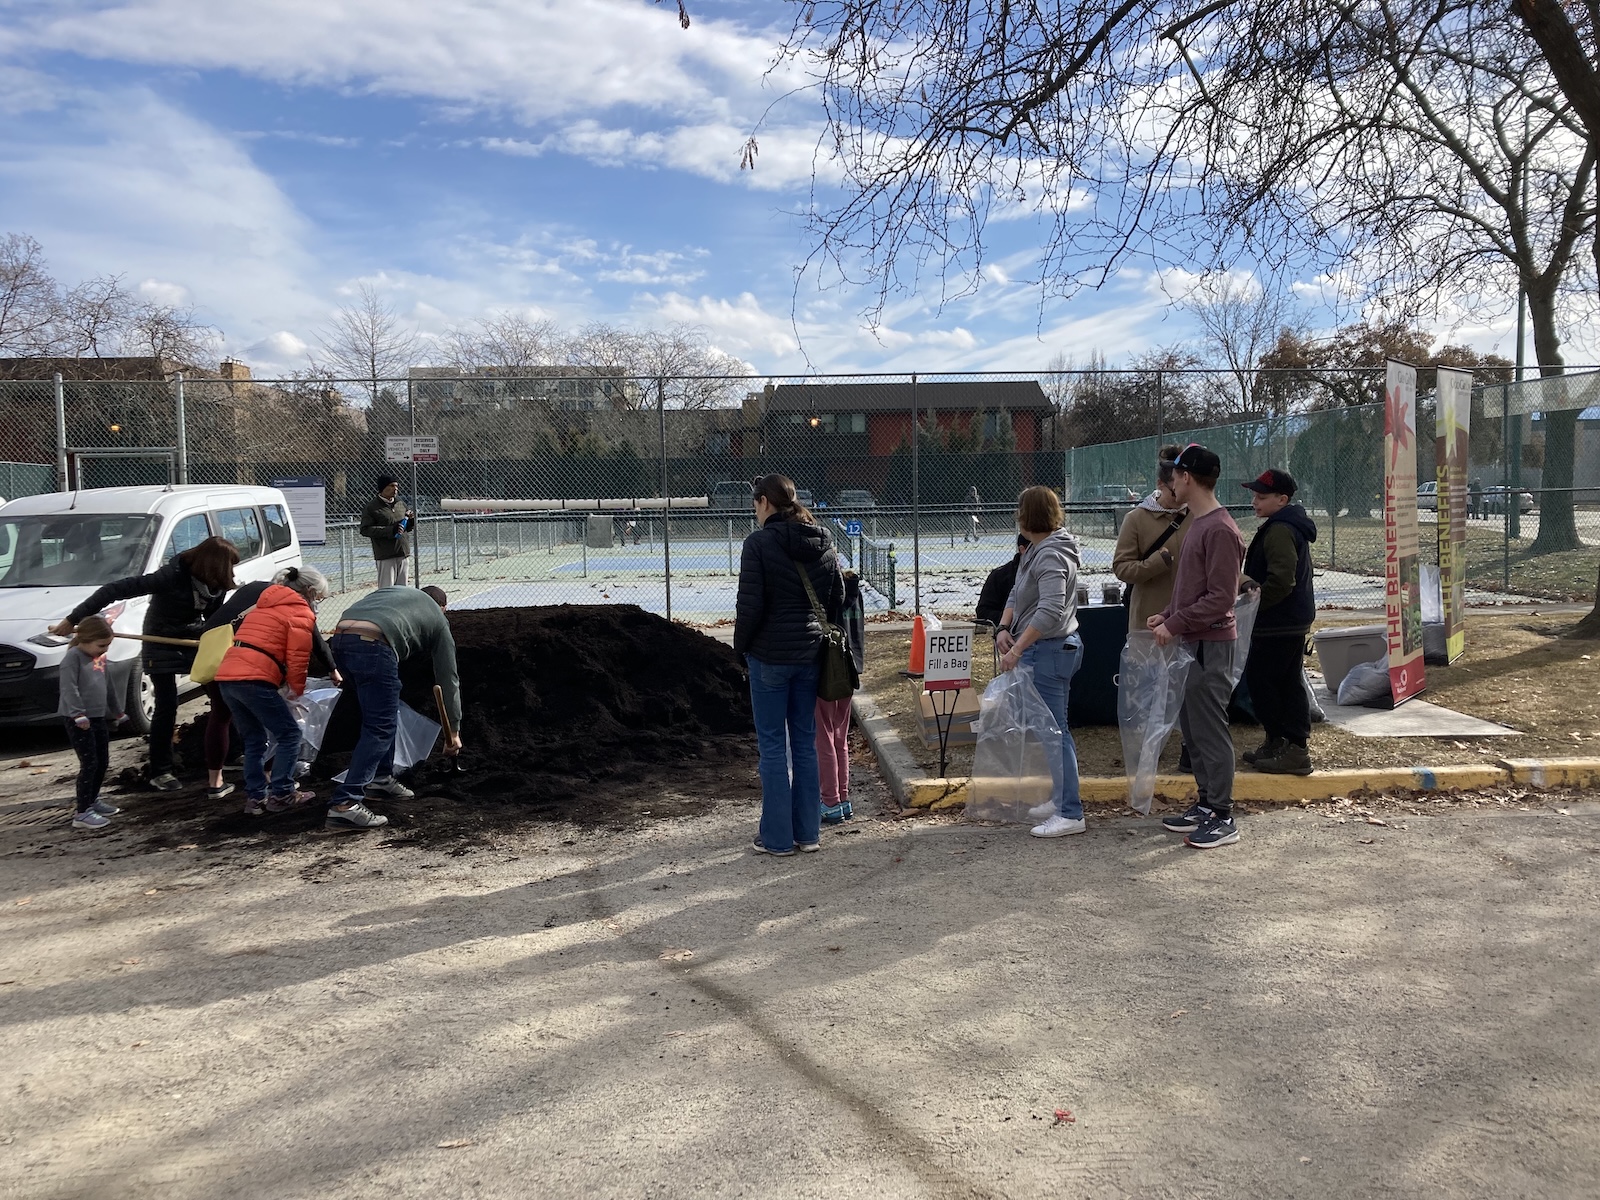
(73, 549)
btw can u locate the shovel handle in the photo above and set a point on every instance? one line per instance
(160, 641)
(444, 717)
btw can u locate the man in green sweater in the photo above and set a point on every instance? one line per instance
(387, 521)
(376, 634)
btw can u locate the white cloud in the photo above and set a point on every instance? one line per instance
(157, 291)
(740, 327)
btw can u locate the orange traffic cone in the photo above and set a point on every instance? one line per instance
(919, 647)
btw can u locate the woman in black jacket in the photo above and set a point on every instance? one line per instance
(184, 592)
(777, 631)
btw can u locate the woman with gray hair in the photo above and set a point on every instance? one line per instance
(314, 587)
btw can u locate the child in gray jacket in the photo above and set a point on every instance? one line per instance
(90, 707)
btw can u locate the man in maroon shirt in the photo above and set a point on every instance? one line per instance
(1200, 615)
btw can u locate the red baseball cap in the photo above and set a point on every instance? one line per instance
(1273, 480)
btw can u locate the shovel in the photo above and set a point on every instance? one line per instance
(56, 639)
(449, 733)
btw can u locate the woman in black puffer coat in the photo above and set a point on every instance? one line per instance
(777, 631)
(186, 590)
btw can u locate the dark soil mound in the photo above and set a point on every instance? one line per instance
(597, 714)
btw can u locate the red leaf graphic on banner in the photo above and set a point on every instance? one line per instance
(1394, 420)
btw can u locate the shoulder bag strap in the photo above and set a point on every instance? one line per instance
(1165, 534)
(811, 592)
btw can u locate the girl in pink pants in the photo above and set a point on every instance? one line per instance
(833, 716)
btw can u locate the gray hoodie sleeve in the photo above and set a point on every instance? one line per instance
(1056, 575)
(71, 676)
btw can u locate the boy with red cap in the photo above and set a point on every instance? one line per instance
(1279, 563)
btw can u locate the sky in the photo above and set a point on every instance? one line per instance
(577, 160)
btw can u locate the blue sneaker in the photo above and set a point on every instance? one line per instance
(89, 819)
(1217, 831)
(838, 814)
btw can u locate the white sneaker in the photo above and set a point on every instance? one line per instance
(1042, 812)
(1059, 826)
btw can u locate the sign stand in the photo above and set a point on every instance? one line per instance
(947, 673)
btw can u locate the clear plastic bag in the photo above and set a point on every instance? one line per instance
(1016, 765)
(414, 737)
(1244, 620)
(1150, 687)
(314, 709)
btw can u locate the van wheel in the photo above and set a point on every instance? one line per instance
(140, 701)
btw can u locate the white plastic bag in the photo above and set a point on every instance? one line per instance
(1150, 686)
(1016, 765)
(413, 740)
(1366, 681)
(1244, 620)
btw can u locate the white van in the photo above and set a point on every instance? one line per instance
(56, 549)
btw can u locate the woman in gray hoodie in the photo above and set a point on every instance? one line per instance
(1039, 630)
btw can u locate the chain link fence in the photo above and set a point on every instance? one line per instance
(573, 485)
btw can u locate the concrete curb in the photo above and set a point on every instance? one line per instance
(912, 789)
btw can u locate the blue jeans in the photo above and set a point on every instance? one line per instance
(1055, 661)
(259, 714)
(783, 697)
(372, 669)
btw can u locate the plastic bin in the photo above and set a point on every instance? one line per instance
(1340, 649)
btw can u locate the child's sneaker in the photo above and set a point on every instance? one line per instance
(104, 809)
(89, 819)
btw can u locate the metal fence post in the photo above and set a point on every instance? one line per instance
(183, 432)
(455, 557)
(666, 496)
(916, 502)
(61, 435)
(730, 545)
(344, 578)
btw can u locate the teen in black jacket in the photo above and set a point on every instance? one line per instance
(777, 632)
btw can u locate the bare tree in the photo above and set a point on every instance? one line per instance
(366, 341)
(168, 333)
(1240, 320)
(693, 373)
(27, 297)
(509, 341)
(1422, 152)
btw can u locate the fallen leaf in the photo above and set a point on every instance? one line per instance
(1064, 1117)
(151, 891)
(1377, 821)
(24, 900)
(188, 846)
(675, 955)
(131, 961)
(136, 1045)
(455, 1144)
(1304, 1159)
(1367, 841)
(3, 982)
(1182, 1012)
(834, 949)
(25, 763)
(40, 771)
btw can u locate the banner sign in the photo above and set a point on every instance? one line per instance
(307, 496)
(1403, 590)
(1452, 422)
(949, 659)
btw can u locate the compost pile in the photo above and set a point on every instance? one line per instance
(592, 713)
(597, 714)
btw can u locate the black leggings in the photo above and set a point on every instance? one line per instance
(94, 755)
(163, 722)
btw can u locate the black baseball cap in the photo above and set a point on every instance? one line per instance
(1272, 481)
(1022, 541)
(1195, 459)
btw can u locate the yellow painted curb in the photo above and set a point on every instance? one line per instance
(1554, 772)
(1250, 786)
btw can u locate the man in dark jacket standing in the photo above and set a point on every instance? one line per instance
(387, 521)
(998, 585)
(1279, 562)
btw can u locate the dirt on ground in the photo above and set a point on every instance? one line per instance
(599, 715)
(1519, 670)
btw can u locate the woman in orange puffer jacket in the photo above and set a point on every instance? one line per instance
(270, 651)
